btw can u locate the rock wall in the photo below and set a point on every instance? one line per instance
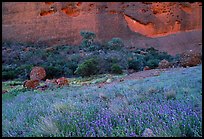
(58, 23)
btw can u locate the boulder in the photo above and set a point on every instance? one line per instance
(31, 84)
(62, 81)
(146, 68)
(53, 81)
(164, 64)
(37, 73)
(190, 58)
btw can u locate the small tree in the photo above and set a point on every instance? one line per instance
(115, 44)
(87, 68)
(116, 69)
(88, 38)
(153, 63)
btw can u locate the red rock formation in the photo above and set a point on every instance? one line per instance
(31, 84)
(58, 23)
(146, 68)
(37, 73)
(52, 82)
(164, 64)
(62, 81)
(190, 58)
(59, 82)
(165, 18)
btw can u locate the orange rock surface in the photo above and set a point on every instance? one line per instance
(60, 23)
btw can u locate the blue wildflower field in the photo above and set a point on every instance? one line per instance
(170, 105)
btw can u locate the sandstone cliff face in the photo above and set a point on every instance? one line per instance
(163, 18)
(58, 23)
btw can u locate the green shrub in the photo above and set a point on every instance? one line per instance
(116, 69)
(8, 75)
(134, 64)
(23, 71)
(176, 58)
(86, 43)
(153, 53)
(170, 94)
(112, 60)
(94, 47)
(107, 59)
(154, 56)
(53, 72)
(87, 34)
(151, 50)
(137, 63)
(87, 68)
(165, 55)
(115, 44)
(88, 38)
(58, 65)
(153, 63)
(71, 67)
(104, 46)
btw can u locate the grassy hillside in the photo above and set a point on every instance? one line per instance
(169, 104)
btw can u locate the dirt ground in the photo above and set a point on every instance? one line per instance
(142, 75)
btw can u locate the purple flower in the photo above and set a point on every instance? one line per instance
(132, 134)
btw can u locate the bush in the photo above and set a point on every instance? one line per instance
(153, 63)
(14, 71)
(88, 38)
(87, 68)
(116, 69)
(170, 94)
(56, 70)
(165, 55)
(95, 46)
(87, 34)
(134, 64)
(115, 44)
(23, 71)
(70, 67)
(107, 59)
(58, 65)
(8, 75)
(175, 61)
(153, 57)
(137, 63)
(153, 53)
(151, 50)
(53, 72)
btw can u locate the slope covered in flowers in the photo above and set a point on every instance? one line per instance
(169, 104)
